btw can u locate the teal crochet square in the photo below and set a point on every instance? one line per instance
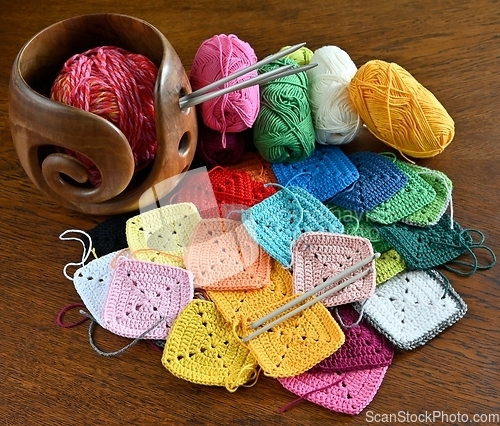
(426, 248)
(279, 220)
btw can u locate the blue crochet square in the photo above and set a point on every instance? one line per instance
(379, 179)
(279, 220)
(325, 173)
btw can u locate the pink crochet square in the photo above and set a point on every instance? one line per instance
(223, 256)
(140, 293)
(364, 346)
(317, 256)
(349, 392)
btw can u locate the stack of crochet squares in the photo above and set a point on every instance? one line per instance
(253, 241)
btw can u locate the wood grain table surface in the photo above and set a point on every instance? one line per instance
(51, 376)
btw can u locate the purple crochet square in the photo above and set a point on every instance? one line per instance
(364, 346)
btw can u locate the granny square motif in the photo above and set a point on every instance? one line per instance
(223, 256)
(318, 256)
(410, 309)
(141, 293)
(356, 224)
(92, 283)
(364, 346)
(202, 348)
(347, 393)
(425, 248)
(431, 213)
(298, 343)
(235, 187)
(277, 222)
(238, 304)
(166, 231)
(325, 173)
(379, 179)
(416, 194)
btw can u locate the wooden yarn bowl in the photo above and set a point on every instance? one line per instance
(40, 125)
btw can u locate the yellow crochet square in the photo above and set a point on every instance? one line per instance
(388, 265)
(235, 305)
(202, 348)
(297, 344)
(162, 235)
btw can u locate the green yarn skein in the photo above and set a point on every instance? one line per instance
(284, 131)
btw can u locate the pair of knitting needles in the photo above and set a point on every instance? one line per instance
(201, 95)
(276, 313)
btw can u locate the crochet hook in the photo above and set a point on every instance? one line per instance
(310, 293)
(244, 71)
(188, 101)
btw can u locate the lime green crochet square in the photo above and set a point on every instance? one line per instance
(388, 265)
(431, 213)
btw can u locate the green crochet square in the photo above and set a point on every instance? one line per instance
(415, 195)
(431, 213)
(357, 225)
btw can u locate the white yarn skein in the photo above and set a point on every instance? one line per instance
(335, 119)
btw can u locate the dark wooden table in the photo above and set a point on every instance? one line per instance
(51, 376)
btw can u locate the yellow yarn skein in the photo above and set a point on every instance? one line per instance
(401, 112)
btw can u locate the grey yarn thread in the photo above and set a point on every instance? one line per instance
(355, 323)
(125, 348)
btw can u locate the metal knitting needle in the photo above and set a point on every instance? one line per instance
(316, 289)
(307, 305)
(244, 71)
(286, 73)
(185, 102)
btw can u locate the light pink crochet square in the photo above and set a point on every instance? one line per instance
(223, 256)
(317, 256)
(141, 293)
(349, 392)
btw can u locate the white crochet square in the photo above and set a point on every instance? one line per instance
(92, 284)
(410, 308)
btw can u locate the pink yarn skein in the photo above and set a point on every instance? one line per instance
(216, 58)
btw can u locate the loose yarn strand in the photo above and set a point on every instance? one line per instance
(355, 323)
(125, 348)
(63, 311)
(86, 251)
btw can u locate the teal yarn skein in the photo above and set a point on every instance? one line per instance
(284, 130)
